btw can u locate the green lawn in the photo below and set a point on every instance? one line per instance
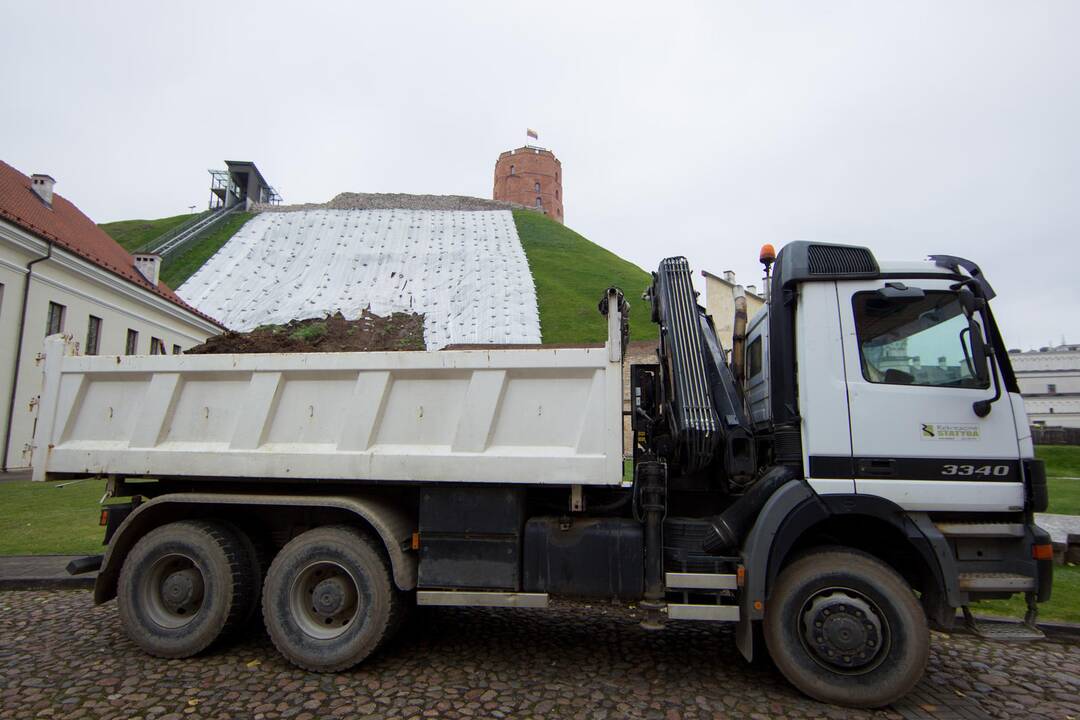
(1061, 460)
(133, 234)
(1062, 463)
(571, 275)
(50, 518)
(179, 267)
(1064, 602)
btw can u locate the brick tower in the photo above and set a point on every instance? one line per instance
(530, 176)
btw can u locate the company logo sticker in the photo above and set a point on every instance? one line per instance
(949, 431)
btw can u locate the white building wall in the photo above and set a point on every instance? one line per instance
(720, 304)
(84, 290)
(1050, 385)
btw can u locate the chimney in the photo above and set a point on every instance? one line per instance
(752, 289)
(42, 185)
(149, 266)
(729, 276)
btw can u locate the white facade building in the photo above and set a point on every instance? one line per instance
(1049, 380)
(720, 303)
(60, 273)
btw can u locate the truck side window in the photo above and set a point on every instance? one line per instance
(914, 342)
(753, 357)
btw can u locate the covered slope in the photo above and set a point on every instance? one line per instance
(464, 271)
(571, 274)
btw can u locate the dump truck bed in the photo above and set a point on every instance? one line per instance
(538, 416)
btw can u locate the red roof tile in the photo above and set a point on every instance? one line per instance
(66, 226)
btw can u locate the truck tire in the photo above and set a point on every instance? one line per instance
(845, 628)
(183, 586)
(258, 562)
(328, 600)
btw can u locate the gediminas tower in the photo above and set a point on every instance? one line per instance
(530, 176)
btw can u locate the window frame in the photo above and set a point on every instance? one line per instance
(58, 312)
(131, 343)
(93, 335)
(157, 346)
(754, 352)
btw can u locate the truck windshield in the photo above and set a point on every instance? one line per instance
(909, 341)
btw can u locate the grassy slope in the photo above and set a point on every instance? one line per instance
(183, 265)
(571, 275)
(133, 234)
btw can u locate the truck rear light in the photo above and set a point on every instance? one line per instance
(740, 576)
(103, 521)
(415, 544)
(1042, 552)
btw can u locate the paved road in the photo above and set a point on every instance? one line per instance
(61, 657)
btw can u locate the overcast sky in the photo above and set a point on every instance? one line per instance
(696, 129)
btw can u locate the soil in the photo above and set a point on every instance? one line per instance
(369, 332)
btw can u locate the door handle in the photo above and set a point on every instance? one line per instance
(877, 467)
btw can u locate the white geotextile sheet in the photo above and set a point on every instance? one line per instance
(464, 270)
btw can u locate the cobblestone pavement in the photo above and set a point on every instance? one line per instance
(61, 657)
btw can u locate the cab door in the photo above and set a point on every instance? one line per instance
(912, 382)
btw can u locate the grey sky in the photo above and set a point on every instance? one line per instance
(697, 129)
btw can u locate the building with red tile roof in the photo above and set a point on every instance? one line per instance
(60, 272)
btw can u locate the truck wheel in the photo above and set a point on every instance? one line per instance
(845, 628)
(255, 553)
(183, 586)
(328, 601)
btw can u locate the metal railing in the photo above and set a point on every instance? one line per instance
(173, 232)
(193, 232)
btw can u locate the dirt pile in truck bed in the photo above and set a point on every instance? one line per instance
(399, 331)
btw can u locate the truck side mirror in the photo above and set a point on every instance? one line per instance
(980, 364)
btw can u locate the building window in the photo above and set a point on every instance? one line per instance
(157, 347)
(1, 297)
(176, 350)
(511, 169)
(56, 319)
(556, 193)
(93, 335)
(536, 187)
(1051, 389)
(132, 345)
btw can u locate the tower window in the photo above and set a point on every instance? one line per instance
(536, 187)
(539, 202)
(556, 193)
(511, 169)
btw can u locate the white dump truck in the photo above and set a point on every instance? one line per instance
(857, 471)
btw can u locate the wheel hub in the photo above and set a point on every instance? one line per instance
(329, 596)
(181, 589)
(843, 630)
(324, 599)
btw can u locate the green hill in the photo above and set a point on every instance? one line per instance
(133, 234)
(571, 275)
(181, 265)
(570, 272)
